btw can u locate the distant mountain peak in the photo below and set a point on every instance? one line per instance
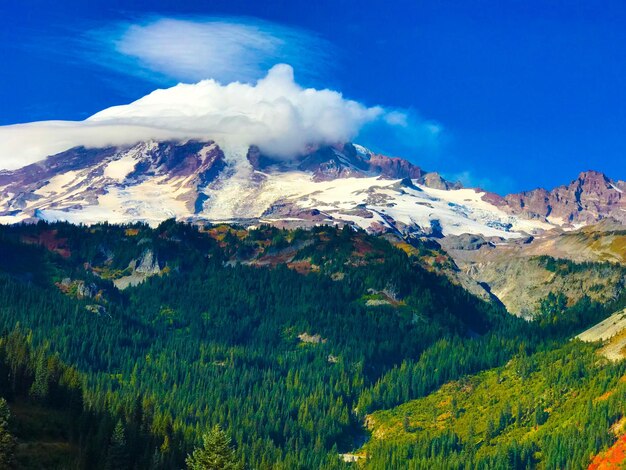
(589, 198)
(592, 174)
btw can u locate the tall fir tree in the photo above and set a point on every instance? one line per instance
(216, 453)
(118, 458)
(7, 441)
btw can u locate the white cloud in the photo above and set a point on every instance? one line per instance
(502, 185)
(406, 134)
(189, 50)
(275, 113)
(271, 111)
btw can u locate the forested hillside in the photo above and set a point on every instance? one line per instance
(285, 339)
(553, 409)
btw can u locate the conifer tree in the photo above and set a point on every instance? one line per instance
(216, 453)
(117, 458)
(406, 425)
(7, 441)
(40, 386)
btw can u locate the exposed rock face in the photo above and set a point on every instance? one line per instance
(97, 309)
(329, 163)
(142, 268)
(345, 161)
(466, 242)
(313, 339)
(254, 157)
(493, 198)
(516, 271)
(79, 177)
(149, 264)
(38, 173)
(394, 168)
(435, 180)
(86, 290)
(82, 289)
(589, 198)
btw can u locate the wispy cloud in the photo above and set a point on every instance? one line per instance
(501, 185)
(162, 49)
(404, 133)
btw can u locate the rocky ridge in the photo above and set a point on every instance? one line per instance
(590, 198)
(341, 184)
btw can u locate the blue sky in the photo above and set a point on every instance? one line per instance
(526, 93)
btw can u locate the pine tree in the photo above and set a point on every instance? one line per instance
(216, 453)
(406, 424)
(117, 458)
(5, 413)
(541, 415)
(7, 441)
(39, 389)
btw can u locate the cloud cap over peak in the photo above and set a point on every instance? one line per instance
(276, 113)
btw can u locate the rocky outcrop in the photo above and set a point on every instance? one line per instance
(97, 309)
(312, 339)
(329, 163)
(345, 161)
(394, 168)
(588, 199)
(148, 264)
(140, 269)
(79, 289)
(466, 242)
(436, 181)
(86, 290)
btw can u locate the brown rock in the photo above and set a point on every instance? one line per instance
(589, 198)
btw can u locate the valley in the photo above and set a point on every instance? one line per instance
(341, 309)
(402, 295)
(241, 235)
(209, 296)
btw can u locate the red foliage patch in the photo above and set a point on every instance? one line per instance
(361, 248)
(301, 267)
(613, 458)
(49, 240)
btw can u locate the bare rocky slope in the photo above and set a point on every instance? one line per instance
(522, 272)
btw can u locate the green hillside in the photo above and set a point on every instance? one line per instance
(553, 409)
(285, 339)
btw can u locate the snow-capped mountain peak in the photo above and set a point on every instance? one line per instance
(343, 184)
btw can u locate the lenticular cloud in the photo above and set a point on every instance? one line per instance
(221, 48)
(276, 114)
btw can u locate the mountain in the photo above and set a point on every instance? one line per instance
(199, 181)
(589, 198)
(294, 340)
(216, 273)
(118, 184)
